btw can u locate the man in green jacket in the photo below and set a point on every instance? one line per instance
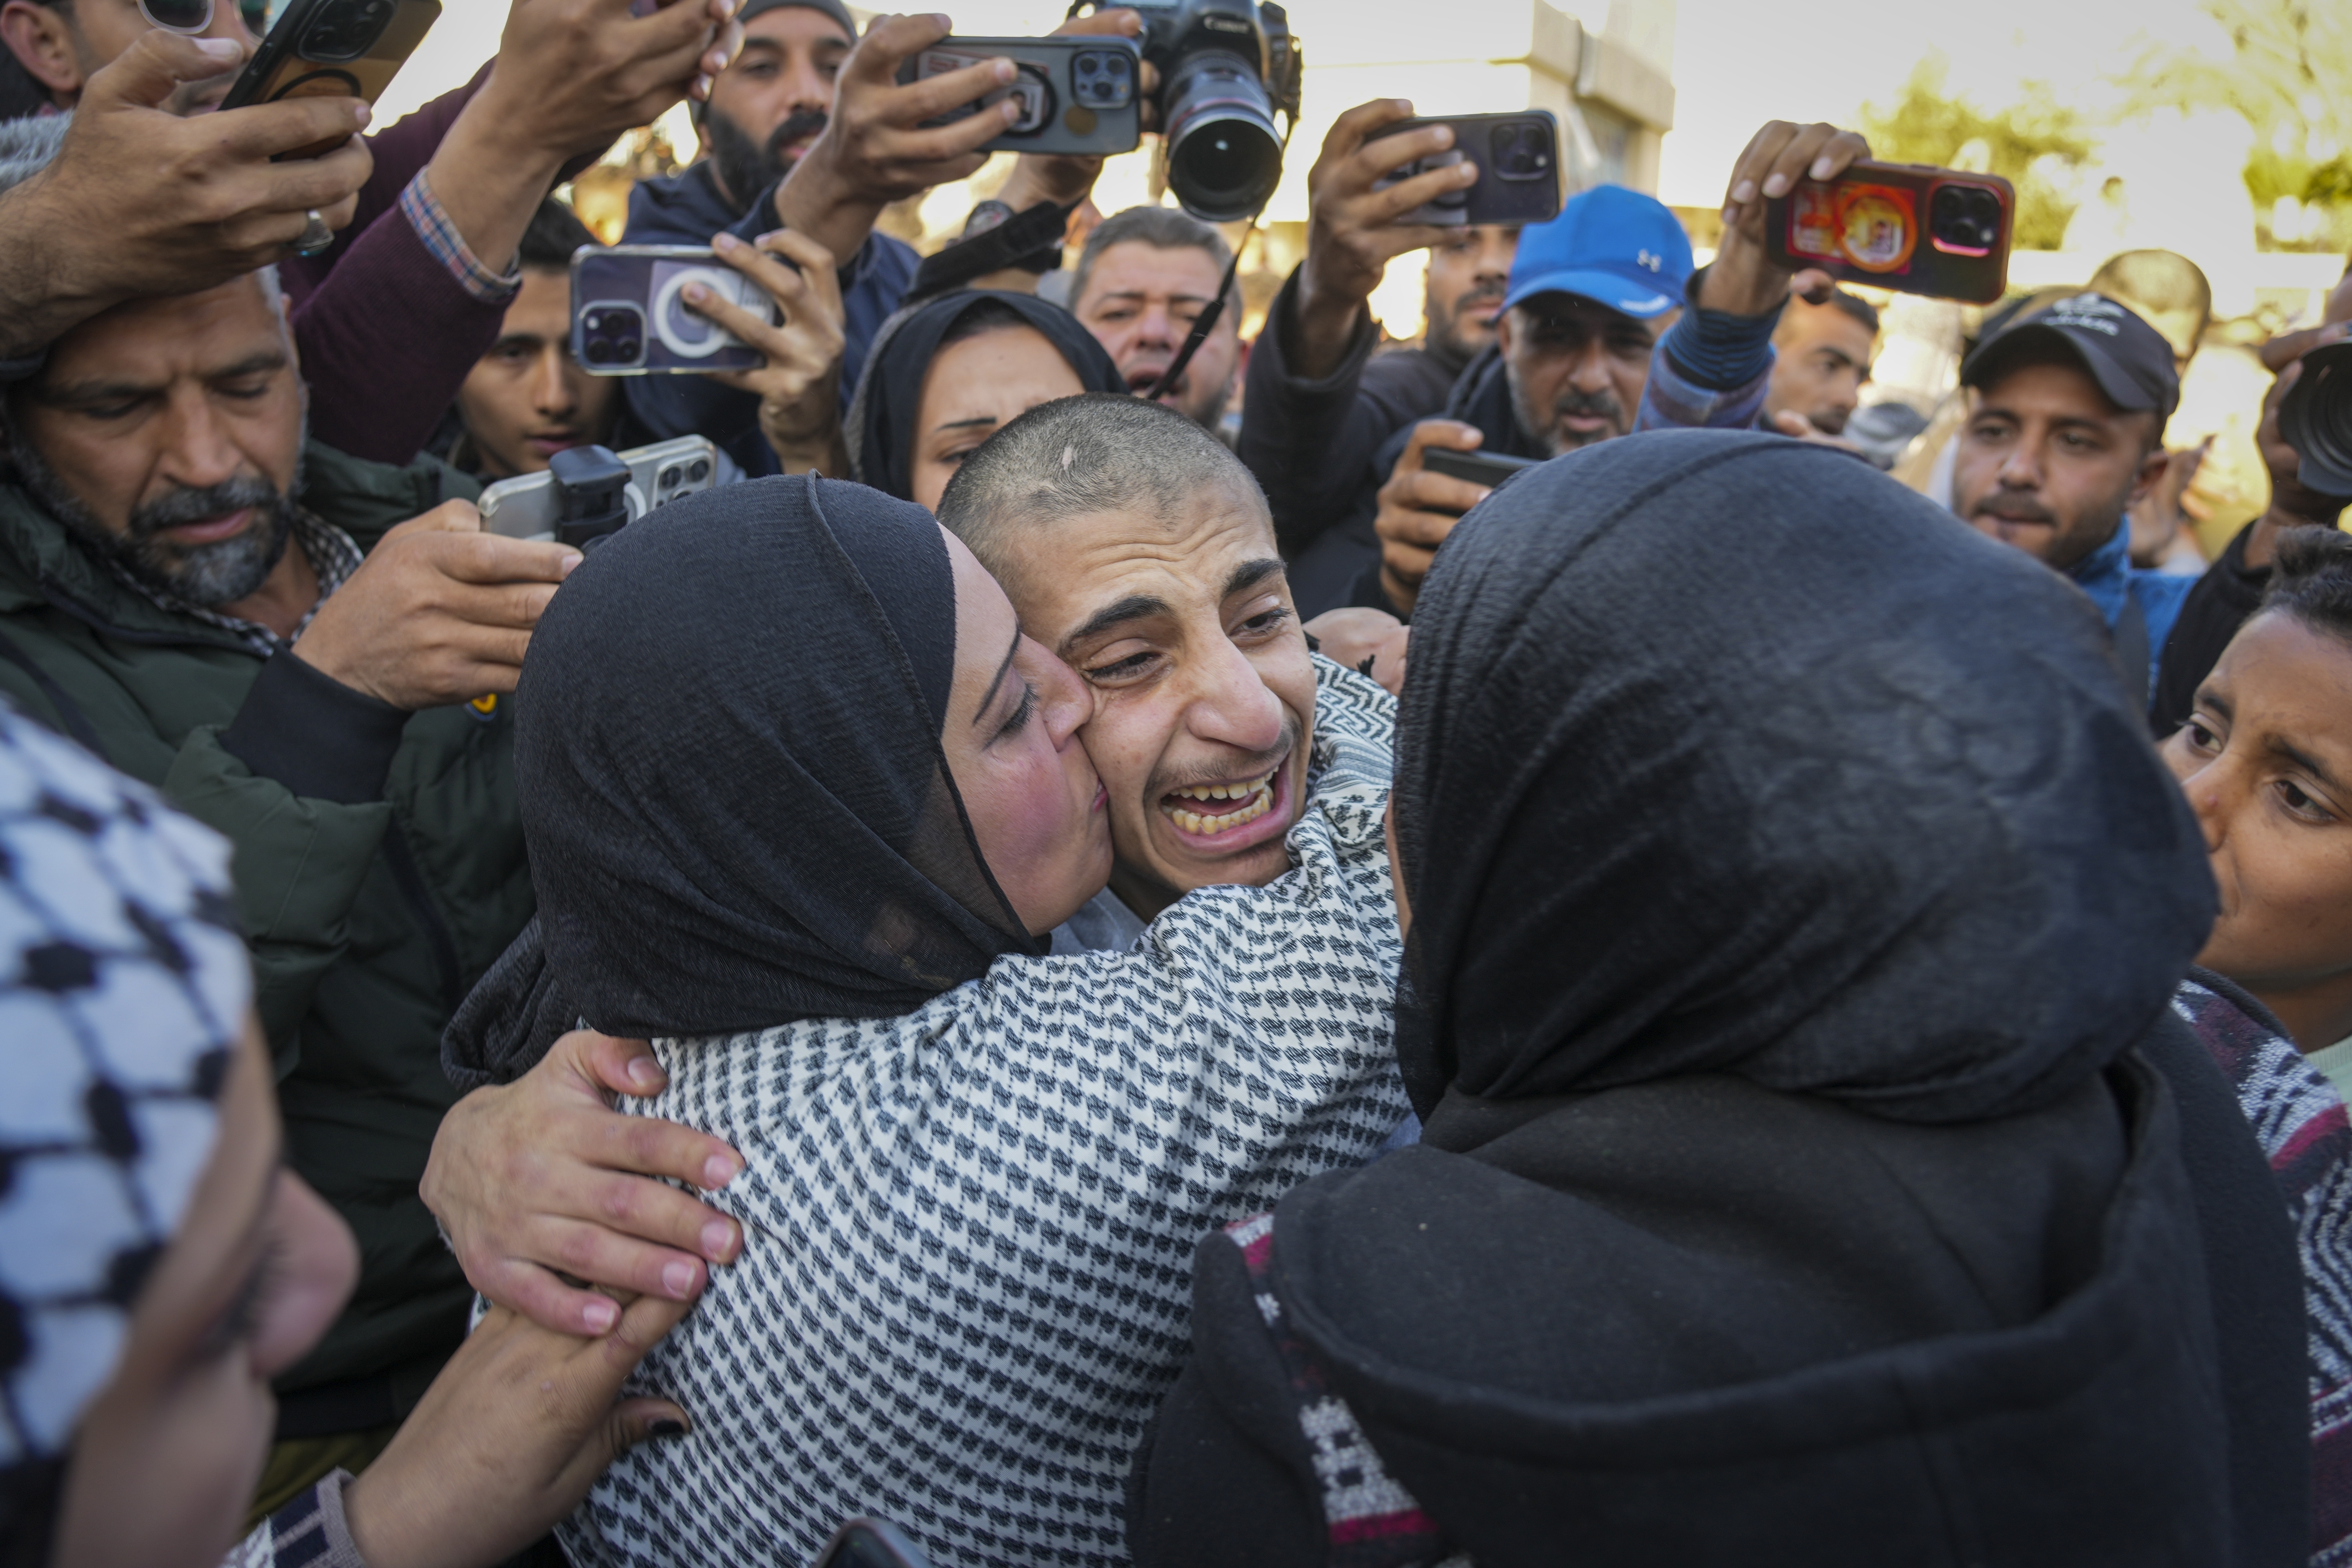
(307, 653)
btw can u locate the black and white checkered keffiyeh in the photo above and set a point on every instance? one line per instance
(969, 1231)
(124, 986)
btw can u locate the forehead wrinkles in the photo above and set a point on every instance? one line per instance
(1183, 554)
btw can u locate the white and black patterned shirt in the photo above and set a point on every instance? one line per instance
(966, 1280)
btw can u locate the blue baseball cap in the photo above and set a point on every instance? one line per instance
(1615, 247)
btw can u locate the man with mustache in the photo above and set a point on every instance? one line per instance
(1591, 293)
(304, 651)
(1322, 399)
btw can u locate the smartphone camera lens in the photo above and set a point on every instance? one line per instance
(669, 477)
(699, 469)
(613, 336)
(1102, 80)
(1965, 219)
(1520, 151)
(347, 31)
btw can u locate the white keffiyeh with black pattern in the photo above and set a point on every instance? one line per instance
(967, 1273)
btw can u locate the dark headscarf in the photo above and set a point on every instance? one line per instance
(1792, 885)
(726, 746)
(881, 429)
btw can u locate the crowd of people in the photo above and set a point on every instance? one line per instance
(1093, 978)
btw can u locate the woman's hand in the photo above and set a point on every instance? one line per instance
(800, 387)
(543, 1177)
(508, 1440)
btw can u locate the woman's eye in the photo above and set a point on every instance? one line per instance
(1018, 720)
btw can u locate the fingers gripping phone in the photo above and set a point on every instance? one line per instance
(333, 48)
(1905, 226)
(1519, 169)
(1492, 469)
(588, 490)
(1078, 95)
(629, 315)
(870, 1543)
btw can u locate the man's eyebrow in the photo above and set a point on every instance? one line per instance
(1134, 607)
(1174, 298)
(1249, 575)
(770, 44)
(86, 391)
(988, 697)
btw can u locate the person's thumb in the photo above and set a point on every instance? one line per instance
(642, 1420)
(622, 1066)
(1791, 422)
(156, 62)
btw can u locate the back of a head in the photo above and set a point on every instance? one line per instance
(553, 234)
(2154, 282)
(2311, 579)
(1858, 810)
(1162, 228)
(1079, 457)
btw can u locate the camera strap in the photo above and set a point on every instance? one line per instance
(1205, 322)
(1025, 240)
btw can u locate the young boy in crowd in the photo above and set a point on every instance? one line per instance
(528, 399)
(2266, 760)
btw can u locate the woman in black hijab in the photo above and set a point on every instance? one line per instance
(1794, 902)
(946, 374)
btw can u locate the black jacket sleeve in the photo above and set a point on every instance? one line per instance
(2221, 602)
(1306, 441)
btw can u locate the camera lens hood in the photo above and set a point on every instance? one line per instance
(2316, 419)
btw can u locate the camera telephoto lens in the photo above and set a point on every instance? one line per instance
(669, 478)
(2316, 419)
(699, 469)
(1224, 157)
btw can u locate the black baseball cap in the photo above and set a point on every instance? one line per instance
(2129, 359)
(833, 8)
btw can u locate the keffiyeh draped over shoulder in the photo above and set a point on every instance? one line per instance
(124, 988)
(967, 1231)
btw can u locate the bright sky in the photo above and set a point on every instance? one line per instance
(1737, 63)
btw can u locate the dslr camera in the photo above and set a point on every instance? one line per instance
(1225, 67)
(2316, 419)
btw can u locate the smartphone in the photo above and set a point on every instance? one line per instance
(333, 48)
(629, 315)
(1080, 95)
(1905, 226)
(1519, 168)
(532, 506)
(870, 1543)
(1492, 469)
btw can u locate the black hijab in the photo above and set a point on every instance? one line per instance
(726, 746)
(881, 429)
(1790, 887)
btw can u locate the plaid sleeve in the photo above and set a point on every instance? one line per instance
(425, 214)
(1672, 401)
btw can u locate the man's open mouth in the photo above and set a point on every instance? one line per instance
(1143, 378)
(1215, 808)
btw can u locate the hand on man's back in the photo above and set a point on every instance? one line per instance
(440, 612)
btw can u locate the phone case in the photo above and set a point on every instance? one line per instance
(524, 506)
(1493, 469)
(333, 48)
(629, 316)
(1080, 95)
(1905, 226)
(1519, 162)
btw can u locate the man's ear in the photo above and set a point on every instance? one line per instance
(2152, 473)
(41, 37)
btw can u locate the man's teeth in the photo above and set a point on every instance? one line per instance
(1258, 793)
